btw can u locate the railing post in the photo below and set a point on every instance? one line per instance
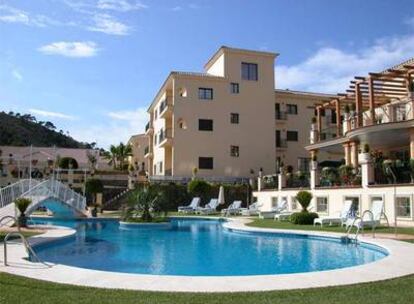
(1, 198)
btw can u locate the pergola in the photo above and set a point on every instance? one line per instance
(369, 92)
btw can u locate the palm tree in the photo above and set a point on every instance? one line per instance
(112, 155)
(123, 152)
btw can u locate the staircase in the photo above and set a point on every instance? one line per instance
(50, 193)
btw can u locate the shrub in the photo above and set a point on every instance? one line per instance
(304, 198)
(67, 162)
(199, 188)
(303, 218)
(22, 204)
(140, 204)
(93, 186)
(366, 148)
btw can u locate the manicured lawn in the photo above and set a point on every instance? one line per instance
(270, 223)
(21, 290)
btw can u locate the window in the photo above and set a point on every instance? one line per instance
(274, 201)
(292, 135)
(205, 124)
(234, 118)
(303, 164)
(322, 204)
(293, 203)
(249, 71)
(292, 109)
(234, 88)
(205, 93)
(234, 151)
(403, 206)
(205, 163)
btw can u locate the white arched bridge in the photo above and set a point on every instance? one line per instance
(55, 196)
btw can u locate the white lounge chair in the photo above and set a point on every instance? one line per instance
(234, 208)
(209, 208)
(369, 218)
(279, 208)
(192, 207)
(252, 210)
(339, 219)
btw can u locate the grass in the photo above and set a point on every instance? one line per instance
(270, 223)
(21, 290)
(25, 234)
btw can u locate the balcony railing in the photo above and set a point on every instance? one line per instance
(281, 143)
(164, 134)
(281, 115)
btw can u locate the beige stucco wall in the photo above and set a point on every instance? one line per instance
(138, 143)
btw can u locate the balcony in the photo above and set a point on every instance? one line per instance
(148, 152)
(149, 130)
(281, 143)
(165, 137)
(165, 108)
(282, 116)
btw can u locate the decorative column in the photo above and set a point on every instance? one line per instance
(367, 167)
(347, 154)
(354, 154)
(314, 172)
(314, 134)
(281, 180)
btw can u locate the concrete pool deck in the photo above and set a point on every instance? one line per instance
(399, 262)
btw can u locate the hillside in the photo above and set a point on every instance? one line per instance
(24, 130)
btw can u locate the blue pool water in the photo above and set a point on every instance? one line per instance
(198, 248)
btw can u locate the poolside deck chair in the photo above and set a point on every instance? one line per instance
(234, 208)
(371, 217)
(339, 219)
(209, 208)
(192, 207)
(279, 208)
(252, 210)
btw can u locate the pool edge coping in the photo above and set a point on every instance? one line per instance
(398, 263)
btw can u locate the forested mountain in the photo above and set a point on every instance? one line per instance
(23, 129)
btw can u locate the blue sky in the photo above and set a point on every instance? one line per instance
(93, 66)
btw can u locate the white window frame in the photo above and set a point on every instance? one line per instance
(327, 204)
(411, 198)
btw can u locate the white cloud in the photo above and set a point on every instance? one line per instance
(107, 24)
(17, 75)
(50, 114)
(10, 14)
(330, 69)
(120, 126)
(120, 5)
(70, 49)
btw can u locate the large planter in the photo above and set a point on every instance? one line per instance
(364, 158)
(22, 221)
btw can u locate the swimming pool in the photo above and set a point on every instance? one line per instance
(194, 247)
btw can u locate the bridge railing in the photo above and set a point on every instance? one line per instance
(42, 190)
(10, 193)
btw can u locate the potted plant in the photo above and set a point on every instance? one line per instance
(22, 204)
(195, 171)
(304, 217)
(365, 155)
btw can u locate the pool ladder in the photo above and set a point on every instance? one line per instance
(29, 249)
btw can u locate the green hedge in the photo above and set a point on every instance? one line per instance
(303, 218)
